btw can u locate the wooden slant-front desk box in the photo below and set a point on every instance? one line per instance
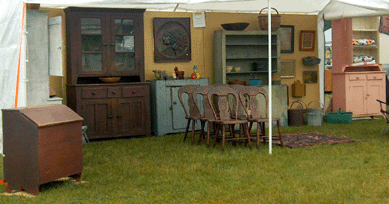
(41, 144)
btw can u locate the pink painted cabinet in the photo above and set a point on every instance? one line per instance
(360, 87)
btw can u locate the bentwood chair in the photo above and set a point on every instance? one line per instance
(206, 116)
(384, 113)
(223, 115)
(251, 93)
(193, 114)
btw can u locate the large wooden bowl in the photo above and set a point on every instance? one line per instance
(109, 79)
(235, 26)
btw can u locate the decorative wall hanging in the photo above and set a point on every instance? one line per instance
(384, 25)
(310, 77)
(288, 69)
(287, 38)
(307, 40)
(172, 40)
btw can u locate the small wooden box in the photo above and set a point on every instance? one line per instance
(41, 144)
(298, 89)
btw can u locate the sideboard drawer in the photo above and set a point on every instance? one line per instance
(114, 92)
(357, 77)
(94, 93)
(375, 76)
(134, 91)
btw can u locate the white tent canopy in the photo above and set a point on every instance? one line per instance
(11, 15)
(332, 9)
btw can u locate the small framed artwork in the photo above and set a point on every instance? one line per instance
(307, 40)
(287, 38)
(172, 40)
(310, 77)
(384, 25)
(288, 68)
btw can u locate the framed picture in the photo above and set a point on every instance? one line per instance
(307, 40)
(288, 68)
(384, 25)
(172, 40)
(287, 38)
(310, 77)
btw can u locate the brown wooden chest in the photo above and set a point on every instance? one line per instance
(41, 144)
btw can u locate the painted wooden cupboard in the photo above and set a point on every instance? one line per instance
(107, 43)
(247, 50)
(360, 87)
(167, 114)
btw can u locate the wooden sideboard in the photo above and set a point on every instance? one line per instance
(107, 43)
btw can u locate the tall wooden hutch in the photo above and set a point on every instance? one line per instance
(107, 43)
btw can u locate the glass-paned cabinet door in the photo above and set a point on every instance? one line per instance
(91, 45)
(124, 45)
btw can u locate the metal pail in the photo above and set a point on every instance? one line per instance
(315, 116)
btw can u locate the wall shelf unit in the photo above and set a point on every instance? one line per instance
(242, 49)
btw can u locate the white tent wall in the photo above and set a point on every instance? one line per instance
(11, 21)
(11, 13)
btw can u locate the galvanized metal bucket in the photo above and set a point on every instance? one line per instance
(315, 116)
(296, 116)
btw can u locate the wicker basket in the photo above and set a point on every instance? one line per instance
(275, 20)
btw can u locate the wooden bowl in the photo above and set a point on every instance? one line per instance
(235, 26)
(109, 79)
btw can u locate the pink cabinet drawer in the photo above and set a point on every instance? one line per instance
(356, 77)
(375, 76)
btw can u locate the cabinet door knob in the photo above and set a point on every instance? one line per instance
(113, 92)
(174, 102)
(133, 92)
(357, 77)
(110, 116)
(104, 44)
(113, 44)
(119, 116)
(94, 93)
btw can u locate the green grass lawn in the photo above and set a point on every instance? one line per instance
(165, 170)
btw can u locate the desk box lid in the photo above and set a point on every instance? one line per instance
(48, 115)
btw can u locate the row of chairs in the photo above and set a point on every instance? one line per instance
(224, 107)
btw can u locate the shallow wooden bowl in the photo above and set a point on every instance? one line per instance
(109, 79)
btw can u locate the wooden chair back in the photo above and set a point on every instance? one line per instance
(223, 111)
(193, 110)
(207, 110)
(253, 108)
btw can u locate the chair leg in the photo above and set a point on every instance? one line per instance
(248, 135)
(223, 137)
(216, 134)
(193, 130)
(202, 132)
(208, 133)
(258, 130)
(232, 134)
(383, 130)
(280, 134)
(187, 129)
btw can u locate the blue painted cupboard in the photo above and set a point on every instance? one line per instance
(167, 114)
